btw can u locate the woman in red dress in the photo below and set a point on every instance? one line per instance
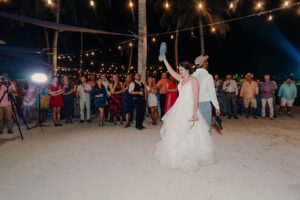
(172, 93)
(56, 100)
(115, 99)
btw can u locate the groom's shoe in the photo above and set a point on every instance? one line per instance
(229, 117)
(139, 128)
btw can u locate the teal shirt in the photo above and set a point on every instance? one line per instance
(288, 92)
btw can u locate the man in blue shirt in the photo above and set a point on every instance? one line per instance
(287, 94)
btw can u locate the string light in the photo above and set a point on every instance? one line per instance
(213, 29)
(130, 44)
(49, 2)
(200, 6)
(92, 3)
(259, 5)
(119, 47)
(286, 4)
(270, 18)
(167, 5)
(130, 4)
(231, 6)
(93, 53)
(172, 37)
(153, 39)
(87, 55)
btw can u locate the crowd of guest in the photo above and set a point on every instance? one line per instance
(254, 96)
(122, 102)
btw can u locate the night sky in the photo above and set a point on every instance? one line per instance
(252, 45)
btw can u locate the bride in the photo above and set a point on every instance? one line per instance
(185, 143)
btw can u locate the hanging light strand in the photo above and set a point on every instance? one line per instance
(229, 20)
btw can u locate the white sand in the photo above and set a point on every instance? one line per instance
(259, 160)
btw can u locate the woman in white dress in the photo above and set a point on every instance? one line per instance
(185, 143)
(151, 91)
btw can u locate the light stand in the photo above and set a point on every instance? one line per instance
(39, 79)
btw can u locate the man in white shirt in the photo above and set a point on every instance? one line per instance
(137, 90)
(231, 90)
(84, 100)
(207, 94)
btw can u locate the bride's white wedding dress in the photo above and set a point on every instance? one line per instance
(184, 145)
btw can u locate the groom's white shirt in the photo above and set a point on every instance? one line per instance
(207, 88)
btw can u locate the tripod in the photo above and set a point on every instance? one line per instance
(39, 122)
(16, 111)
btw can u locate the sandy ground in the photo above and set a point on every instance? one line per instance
(259, 159)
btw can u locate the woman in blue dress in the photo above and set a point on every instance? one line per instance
(127, 102)
(100, 100)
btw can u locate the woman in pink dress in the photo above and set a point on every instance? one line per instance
(56, 100)
(172, 93)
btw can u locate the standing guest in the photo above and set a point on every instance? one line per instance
(172, 93)
(267, 89)
(29, 102)
(231, 90)
(6, 106)
(115, 99)
(56, 101)
(44, 101)
(127, 101)
(106, 85)
(137, 89)
(258, 99)
(83, 98)
(162, 86)
(248, 93)
(222, 101)
(68, 98)
(207, 92)
(92, 83)
(218, 83)
(151, 91)
(287, 94)
(99, 95)
(274, 99)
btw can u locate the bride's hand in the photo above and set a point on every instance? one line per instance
(195, 117)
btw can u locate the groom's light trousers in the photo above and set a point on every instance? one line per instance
(205, 109)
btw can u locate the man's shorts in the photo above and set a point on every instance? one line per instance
(250, 102)
(285, 102)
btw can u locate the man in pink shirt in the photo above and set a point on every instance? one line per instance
(248, 93)
(6, 107)
(163, 90)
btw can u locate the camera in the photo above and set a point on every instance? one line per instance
(5, 80)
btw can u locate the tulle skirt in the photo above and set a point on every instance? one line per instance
(184, 145)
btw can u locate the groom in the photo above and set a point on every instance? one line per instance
(207, 94)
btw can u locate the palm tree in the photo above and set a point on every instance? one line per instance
(55, 39)
(210, 12)
(142, 42)
(176, 18)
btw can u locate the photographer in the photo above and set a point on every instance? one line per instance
(5, 104)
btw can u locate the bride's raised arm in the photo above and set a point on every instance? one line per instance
(171, 70)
